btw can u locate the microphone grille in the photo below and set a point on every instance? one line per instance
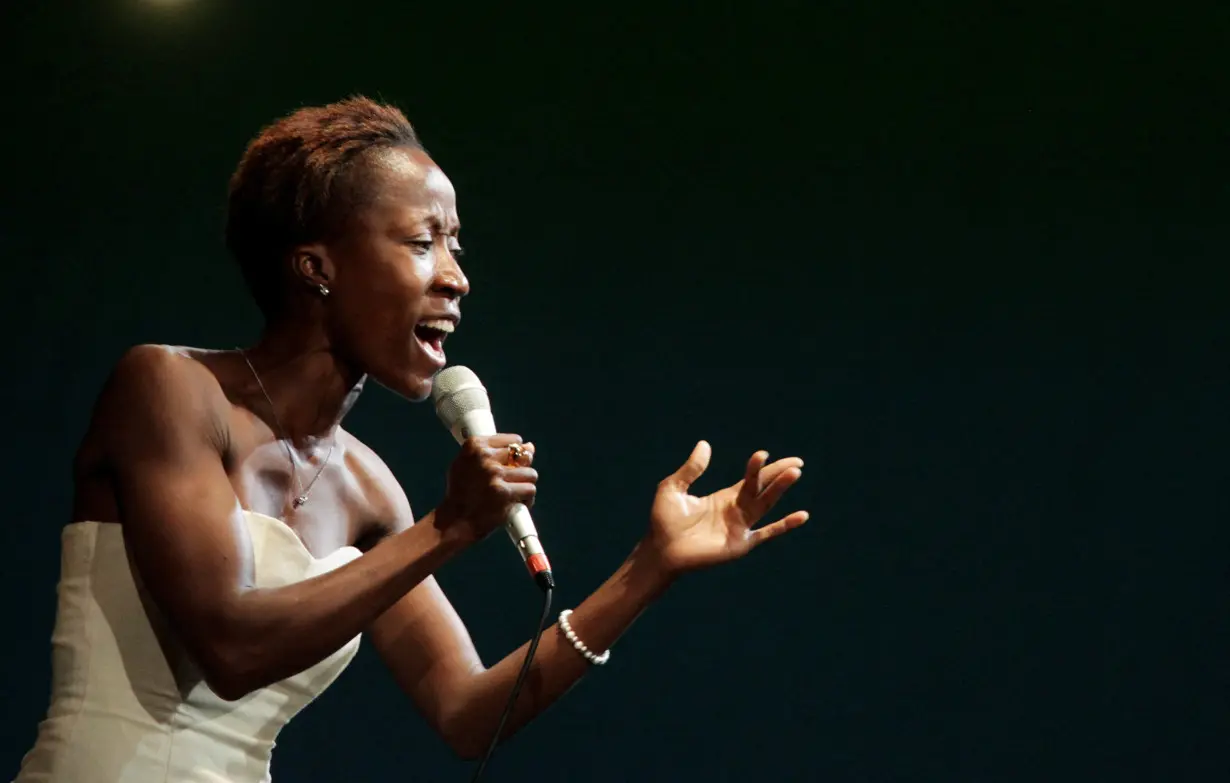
(457, 391)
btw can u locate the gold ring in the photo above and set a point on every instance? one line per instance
(515, 452)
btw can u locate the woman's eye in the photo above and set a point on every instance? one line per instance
(421, 245)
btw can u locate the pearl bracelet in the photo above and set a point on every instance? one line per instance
(566, 627)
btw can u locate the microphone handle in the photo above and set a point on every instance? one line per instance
(520, 527)
(519, 524)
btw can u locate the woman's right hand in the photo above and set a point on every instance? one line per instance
(483, 481)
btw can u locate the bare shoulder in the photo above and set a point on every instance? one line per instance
(157, 388)
(159, 404)
(383, 494)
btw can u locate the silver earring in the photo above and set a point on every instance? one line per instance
(324, 289)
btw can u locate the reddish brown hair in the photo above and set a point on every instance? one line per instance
(299, 180)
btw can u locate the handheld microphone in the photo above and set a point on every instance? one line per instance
(465, 410)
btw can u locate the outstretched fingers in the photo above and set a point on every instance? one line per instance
(784, 525)
(764, 485)
(771, 471)
(753, 480)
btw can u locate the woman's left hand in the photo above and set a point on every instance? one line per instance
(687, 532)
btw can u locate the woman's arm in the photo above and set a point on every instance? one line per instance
(430, 653)
(428, 650)
(161, 423)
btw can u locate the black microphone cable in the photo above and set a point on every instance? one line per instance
(516, 690)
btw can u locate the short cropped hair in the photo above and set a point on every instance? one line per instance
(299, 181)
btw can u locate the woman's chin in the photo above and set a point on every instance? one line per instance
(414, 384)
(409, 373)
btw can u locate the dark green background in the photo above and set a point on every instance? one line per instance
(968, 260)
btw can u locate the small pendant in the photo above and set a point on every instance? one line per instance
(299, 501)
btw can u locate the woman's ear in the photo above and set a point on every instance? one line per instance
(311, 265)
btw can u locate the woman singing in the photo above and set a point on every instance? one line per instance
(230, 541)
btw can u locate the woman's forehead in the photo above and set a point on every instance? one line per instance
(410, 186)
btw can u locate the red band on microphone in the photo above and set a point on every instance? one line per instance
(537, 564)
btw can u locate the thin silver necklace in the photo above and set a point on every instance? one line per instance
(302, 497)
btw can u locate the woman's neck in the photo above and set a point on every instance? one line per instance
(310, 388)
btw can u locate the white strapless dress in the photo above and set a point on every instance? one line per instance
(128, 705)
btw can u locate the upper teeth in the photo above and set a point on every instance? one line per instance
(442, 324)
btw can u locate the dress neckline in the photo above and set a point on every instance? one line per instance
(285, 530)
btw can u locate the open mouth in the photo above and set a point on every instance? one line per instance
(432, 333)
